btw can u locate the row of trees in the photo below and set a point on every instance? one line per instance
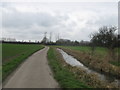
(71, 43)
(105, 37)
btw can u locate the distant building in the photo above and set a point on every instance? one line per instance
(63, 42)
(85, 43)
(8, 39)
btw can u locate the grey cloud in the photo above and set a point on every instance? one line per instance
(24, 25)
(25, 20)
(104, 20)
(109, 20)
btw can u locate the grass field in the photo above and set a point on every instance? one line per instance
(65, 78)
(98, 50)
(14, 54)
(11, 51)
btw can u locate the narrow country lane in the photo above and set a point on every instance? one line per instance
(33, 73)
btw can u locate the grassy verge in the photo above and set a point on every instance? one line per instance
(10, 65)
(65, 78)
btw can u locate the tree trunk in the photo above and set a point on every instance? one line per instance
(112, 55)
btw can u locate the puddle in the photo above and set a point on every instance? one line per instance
(74, 62)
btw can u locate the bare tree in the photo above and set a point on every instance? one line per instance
(105, 37)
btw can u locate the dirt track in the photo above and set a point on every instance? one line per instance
(33, 73)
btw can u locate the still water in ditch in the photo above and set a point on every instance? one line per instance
(74, 62)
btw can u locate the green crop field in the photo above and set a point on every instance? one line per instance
(14, 54)
(11, 51)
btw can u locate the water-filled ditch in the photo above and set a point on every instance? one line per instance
(74, 62)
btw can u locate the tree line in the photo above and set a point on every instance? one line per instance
(105, 37)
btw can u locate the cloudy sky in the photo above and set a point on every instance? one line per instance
(71, 20)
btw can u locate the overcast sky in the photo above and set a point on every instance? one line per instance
(72, 20)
